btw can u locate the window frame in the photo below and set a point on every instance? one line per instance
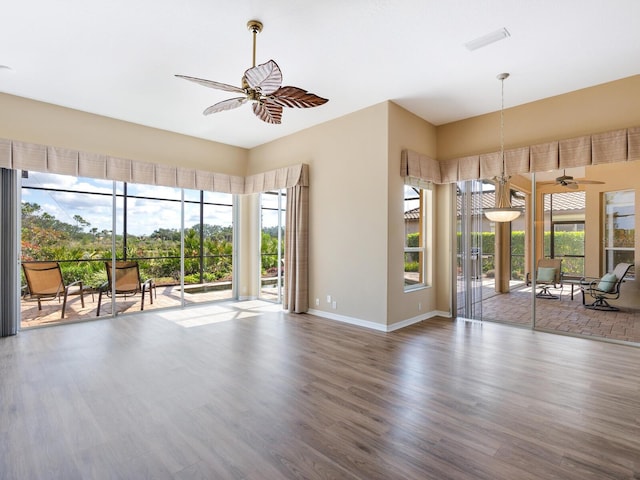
(608, 251)
(424, 197)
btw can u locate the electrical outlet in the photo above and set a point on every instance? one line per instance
(328, 298)
(317, 302)
(334, 305)
(419, 306)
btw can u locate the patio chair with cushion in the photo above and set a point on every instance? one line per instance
(128, 282)
(44, 281)
(605, 288)
(548, 275)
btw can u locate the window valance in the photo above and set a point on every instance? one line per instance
(41, 158)
(609, 147)
(420, 166)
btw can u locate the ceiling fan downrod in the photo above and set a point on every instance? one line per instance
(254, 27)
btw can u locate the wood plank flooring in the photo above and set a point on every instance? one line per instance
(245, 391)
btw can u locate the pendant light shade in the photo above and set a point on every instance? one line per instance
(503, 211)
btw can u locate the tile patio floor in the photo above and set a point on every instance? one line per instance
(563, 315)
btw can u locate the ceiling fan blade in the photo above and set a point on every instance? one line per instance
(297, 97)
(229, 104)
(268, 112)
(212, 84)
(589, 182)
(265, 77)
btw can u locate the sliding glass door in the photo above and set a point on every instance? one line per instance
(272, 229)
(470, 257)
(172, 237)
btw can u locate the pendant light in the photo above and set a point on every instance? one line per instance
(503, 211)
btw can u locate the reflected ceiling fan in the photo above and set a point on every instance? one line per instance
(571, 183)
(261, 85)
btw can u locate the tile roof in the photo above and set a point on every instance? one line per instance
(562, 202)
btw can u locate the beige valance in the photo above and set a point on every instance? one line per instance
(41, 158)
(419, 166)
(490, 165)
(608, 147)
(633, 144)
(63, 160)
(276, 179)
(468, 168)
(544, 157)
(575, 152)
(517, 160)
(5, 153)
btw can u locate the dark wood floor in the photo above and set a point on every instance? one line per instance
(241, 392)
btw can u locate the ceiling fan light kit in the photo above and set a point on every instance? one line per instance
(503, 211)
(262, 85)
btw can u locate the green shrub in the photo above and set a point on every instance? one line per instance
(411, 266)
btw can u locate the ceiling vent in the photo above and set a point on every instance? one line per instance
(487, 39)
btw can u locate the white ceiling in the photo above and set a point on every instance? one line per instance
(118, 57)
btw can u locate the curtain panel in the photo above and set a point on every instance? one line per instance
(296, 254)
(9, 248)
(608, 147)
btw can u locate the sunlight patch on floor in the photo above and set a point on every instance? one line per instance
(221, 312)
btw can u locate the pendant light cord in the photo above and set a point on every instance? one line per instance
(502, 78)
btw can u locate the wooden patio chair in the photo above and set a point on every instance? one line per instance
(605, 288)
(44, 281)
(128, 282)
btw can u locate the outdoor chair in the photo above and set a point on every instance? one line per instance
(548, 275)
(44, 281)
(128, 282)
(605, 288)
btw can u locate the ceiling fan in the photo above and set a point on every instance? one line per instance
(261, 85)
(571, 183)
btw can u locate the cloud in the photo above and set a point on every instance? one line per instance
(93, 201)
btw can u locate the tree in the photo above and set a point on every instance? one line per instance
(80, 222)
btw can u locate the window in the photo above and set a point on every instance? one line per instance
(417, 198)
(564, 230)
(619, 228)
(71, 219)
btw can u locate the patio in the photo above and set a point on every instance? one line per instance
(564, 315)
(164, 297)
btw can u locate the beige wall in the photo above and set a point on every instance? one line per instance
(407, 131)
(36, 122)
(592, 110)
(348, 172)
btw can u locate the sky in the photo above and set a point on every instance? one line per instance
(144, 216)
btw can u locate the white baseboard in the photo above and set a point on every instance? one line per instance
(247, 297)
(377, 326)
(350, 320)
(418, 319)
